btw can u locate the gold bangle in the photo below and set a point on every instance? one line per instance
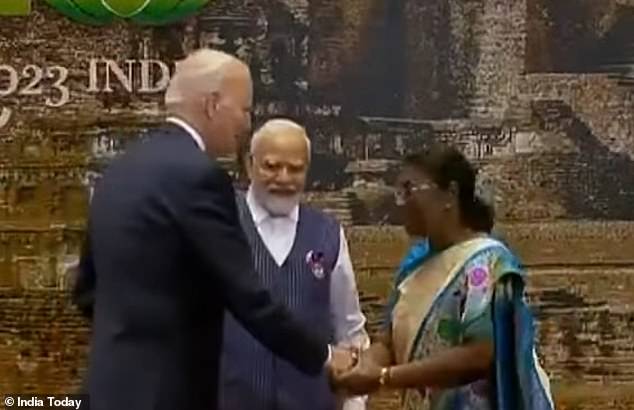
(385, 376)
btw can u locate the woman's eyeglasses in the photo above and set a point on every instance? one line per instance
(402, 194)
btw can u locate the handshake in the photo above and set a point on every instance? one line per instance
(353, 372)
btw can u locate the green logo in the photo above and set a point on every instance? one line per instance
(15, 7)
(98, 12)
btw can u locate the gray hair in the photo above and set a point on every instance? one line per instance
(274, 126)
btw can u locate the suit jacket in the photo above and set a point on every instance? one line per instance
(164, 256)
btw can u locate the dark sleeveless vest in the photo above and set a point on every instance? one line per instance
(252, 378)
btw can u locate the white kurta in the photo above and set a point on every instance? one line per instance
(278, 235)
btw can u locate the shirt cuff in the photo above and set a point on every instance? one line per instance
(355, 403)
(329, 358)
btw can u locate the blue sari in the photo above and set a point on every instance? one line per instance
(520, 383)
(470, 292)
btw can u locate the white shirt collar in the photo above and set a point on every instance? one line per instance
(190, 130)
(260, 213)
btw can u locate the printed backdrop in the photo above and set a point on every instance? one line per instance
(538, 93)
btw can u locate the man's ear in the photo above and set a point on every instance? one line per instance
(453, 189)
(249, 162)
(211, 102)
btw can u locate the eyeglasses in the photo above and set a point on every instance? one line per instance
(407, 189)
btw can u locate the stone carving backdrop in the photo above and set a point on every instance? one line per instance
(538, 93)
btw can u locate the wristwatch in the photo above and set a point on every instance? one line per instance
(385, 375)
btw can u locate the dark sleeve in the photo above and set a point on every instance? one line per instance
(210, 221)
(83, 293)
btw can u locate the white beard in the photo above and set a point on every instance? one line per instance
(277, 205)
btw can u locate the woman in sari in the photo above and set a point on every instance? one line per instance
(459, 335)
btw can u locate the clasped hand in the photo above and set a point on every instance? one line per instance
(353, 372)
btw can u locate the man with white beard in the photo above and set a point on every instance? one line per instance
(302, 257)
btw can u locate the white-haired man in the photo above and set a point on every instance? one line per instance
(301, 254)
(165, 257)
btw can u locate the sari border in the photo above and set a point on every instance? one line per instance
(493, 243)
(419, 332)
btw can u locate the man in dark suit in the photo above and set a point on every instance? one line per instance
(165, 255)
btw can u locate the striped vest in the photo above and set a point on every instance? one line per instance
(252, 378)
